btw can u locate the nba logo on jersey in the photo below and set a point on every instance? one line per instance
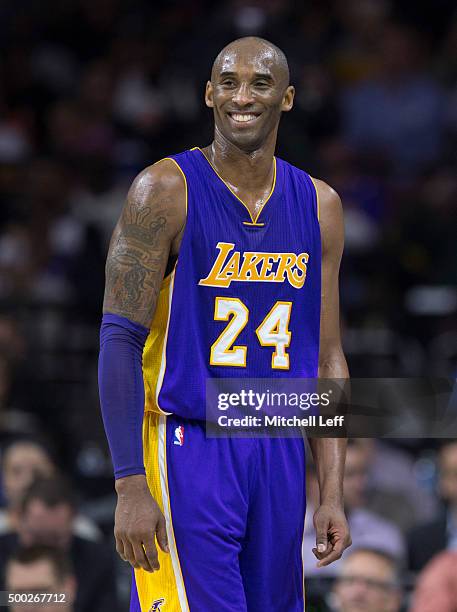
(157, 605)
(179, 437)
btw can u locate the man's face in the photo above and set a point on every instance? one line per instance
(366, 584)
(248, 91)
(22, 464)
(49, 525)
(448, 474)
(39, 577)
(355, 477)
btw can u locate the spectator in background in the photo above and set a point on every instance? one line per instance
(368, 530)
(41, 569)
(436, 589)
(368, 582)
(23, 462)
(393, 491)
(426, 540)
(46, 518)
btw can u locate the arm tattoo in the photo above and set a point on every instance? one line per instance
(138, 227)
(136, 262)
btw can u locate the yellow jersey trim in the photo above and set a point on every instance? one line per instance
(163, 469)
(303, 559)
(154, 350)
(167, 583)
(163, 362)
(253, 219)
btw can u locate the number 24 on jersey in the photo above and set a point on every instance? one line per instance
(273, 331)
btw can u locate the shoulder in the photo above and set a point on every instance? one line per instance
(330, 214)
(162, 177)
(329, 200)
(158, 191)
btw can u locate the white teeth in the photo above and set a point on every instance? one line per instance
(243, 117)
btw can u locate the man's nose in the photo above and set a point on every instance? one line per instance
(243, 95)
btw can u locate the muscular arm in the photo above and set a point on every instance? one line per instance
(329, 453)
(148, 232)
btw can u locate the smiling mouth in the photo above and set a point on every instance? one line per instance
(243, 117)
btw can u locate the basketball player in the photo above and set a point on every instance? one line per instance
(224, 263)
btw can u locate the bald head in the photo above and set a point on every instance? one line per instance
(248, 91)
(257, 49)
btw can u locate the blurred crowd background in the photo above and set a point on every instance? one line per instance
(91, 92)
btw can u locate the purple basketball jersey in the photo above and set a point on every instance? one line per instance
(245, 294)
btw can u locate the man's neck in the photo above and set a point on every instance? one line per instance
(246, 172)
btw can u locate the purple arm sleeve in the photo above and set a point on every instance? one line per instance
(121, 387)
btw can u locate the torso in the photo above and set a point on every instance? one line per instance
(244, 298)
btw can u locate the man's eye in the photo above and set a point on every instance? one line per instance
(261, 84)
(228, 83)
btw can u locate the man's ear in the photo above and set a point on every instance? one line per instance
(209, 95)
(288, 99)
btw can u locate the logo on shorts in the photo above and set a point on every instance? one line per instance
(157, 605)
(179, 436)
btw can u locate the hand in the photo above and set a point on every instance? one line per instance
(332, 533)
(138, 520)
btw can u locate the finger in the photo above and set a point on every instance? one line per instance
(334, 555)
(140, 557)
(319, 555)
(150, 551)
(120, 548)
(129, 554)
(161, 533)
(321, 527)
(322, 544)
